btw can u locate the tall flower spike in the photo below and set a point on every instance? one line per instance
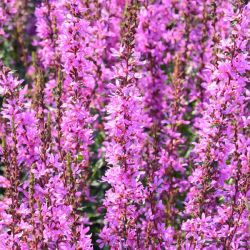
(12, 211)
(76, 123)
(124, 145)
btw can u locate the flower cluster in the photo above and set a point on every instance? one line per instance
(130, 128)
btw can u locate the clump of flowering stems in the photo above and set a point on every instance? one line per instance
(218, 199)
(41, 207)
(147, 78)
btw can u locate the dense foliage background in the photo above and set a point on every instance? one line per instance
(124, 124)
